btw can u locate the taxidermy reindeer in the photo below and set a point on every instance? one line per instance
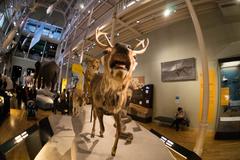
(109, 89)
(92, 68)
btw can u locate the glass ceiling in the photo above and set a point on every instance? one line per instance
(49, 31)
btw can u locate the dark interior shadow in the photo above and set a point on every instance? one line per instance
(137, 128)
(82, 142)
(110, 158)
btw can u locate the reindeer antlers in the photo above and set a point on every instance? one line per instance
(142, 43)
(100, 33)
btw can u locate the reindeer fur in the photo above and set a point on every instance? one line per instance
(109, 89)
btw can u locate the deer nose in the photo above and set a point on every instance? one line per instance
(121, 49)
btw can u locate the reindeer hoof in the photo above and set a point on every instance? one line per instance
(92, 135)
(101, 135)
(113, 153)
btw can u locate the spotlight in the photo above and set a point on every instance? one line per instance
(81, 6)
(137, 22)
(118, 34)
(167, 12)
(131, 3)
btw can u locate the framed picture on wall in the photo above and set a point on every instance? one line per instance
(179, 70)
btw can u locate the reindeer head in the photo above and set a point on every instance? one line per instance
(93, 64)
(120, 59)
(92, 68)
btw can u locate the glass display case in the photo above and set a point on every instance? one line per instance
(228, 117)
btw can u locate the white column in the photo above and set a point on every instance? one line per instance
(44, 48)
(204, 62)
(67, 70)
(60, 76)
(114, 19)
(4, 68)
(85, 36)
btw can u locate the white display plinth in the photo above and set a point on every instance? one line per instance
(72, 141)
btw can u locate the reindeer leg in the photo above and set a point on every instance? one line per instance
(94, 122)
(100, 118)
(118, 131)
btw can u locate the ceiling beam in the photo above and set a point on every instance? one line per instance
(68, 6)
(108, 3)
(55, 9)
(129, 27)
(65, 1)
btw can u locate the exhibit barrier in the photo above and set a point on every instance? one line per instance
(33, 139)
(29, 143)
(180, 150)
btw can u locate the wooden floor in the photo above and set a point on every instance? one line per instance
(17, 122)
(213, 149)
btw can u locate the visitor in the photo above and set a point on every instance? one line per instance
(180, 117)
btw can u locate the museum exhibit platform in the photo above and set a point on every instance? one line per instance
(72, 140)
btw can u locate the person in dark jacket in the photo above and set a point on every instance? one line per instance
(180, 117)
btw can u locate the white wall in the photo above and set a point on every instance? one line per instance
(178, 41)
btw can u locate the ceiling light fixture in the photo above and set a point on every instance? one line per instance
(118, 34)
(81, 6)
(137, 22)
(167, 12)
(131, 3)
(230, 64)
